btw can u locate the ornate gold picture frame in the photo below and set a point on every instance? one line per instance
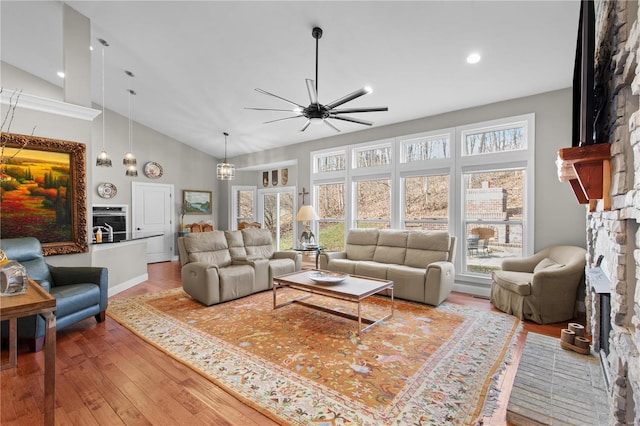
(43, 192)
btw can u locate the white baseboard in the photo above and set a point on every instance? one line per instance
(128, 284)
(472, 289)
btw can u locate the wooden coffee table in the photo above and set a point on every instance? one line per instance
(354, 289)
(36, 301)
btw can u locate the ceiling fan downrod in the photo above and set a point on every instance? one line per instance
(317, 34)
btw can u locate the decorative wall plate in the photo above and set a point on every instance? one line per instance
(152, 170)
(107, 190)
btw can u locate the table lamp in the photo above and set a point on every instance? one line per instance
(307, 214)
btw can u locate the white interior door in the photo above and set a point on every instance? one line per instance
(151, 212)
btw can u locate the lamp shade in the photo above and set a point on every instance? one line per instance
(306, 213)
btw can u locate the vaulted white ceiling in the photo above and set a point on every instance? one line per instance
(197, 63)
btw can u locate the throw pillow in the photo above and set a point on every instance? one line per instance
(546, 263)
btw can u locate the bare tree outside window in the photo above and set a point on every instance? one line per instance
(331, 209)
(371, 157)
(244, 207)
(426, 202)
(330, 162)
(373, 203)
(432, 148)
(495, 141)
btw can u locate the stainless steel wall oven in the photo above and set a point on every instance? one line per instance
(111, 219)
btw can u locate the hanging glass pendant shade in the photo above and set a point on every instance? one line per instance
(103, 159)
(226, 171)
(131, 170)
(129, 159)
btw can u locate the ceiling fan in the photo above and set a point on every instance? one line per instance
(317, 112)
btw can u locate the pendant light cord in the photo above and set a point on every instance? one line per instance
(103, 110)
(130, 132)
(225, 146)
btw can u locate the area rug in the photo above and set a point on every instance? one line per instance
(301, 366)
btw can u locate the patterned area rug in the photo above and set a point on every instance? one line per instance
(301, 366)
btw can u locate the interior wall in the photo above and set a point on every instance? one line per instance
(559, 219)
(183, 166)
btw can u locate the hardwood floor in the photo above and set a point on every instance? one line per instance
(105, 375)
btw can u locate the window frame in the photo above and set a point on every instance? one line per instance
(455, 167)
(235, 189)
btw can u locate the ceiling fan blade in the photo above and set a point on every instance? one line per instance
(305, 126)
(349, 97)
(353, 120)
(271, 109)
(280, 119)
(264, 92)
(365, 109)
(311, 88)
(328, 123)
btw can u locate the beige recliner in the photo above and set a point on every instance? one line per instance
(541, 288)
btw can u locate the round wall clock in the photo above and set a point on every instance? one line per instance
(152, 170)
(107, 190)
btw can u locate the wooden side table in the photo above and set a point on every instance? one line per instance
(36, 301)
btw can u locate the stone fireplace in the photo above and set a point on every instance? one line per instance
(612, 235)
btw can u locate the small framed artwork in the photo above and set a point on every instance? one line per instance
(265, 179)
(284, 176)
(196, 202)
(274, 177)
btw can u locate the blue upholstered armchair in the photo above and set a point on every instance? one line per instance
(80, 292)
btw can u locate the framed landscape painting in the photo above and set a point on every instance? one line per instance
(196, 202)
(43, 192)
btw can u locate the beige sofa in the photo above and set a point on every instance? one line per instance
(420, 263)
(218, 266)
(541, 288)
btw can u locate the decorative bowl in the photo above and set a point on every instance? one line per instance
(326, 277)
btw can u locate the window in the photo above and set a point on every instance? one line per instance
(276, 210)
(243, 205)
(425, 148)
(493, 218)
(329, 162)
(426, 202)
(331, 210)
(474, 181)
(509, 138)
(372, 156)
(373, 203)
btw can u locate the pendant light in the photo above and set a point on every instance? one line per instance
(225, 170)
(129, 158)
(103, 159)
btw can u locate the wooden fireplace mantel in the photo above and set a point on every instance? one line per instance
(588, 169)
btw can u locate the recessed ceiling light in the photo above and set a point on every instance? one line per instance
(91, 48)
(474, 58)
(61, 74)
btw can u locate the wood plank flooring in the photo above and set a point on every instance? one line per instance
(105, 375)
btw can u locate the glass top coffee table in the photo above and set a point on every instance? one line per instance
(353, 289)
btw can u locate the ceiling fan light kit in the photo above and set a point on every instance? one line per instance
(316, 112)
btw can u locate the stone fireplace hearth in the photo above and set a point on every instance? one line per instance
(613, 234)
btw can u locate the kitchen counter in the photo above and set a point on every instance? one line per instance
(126, 237)
(125, 259)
